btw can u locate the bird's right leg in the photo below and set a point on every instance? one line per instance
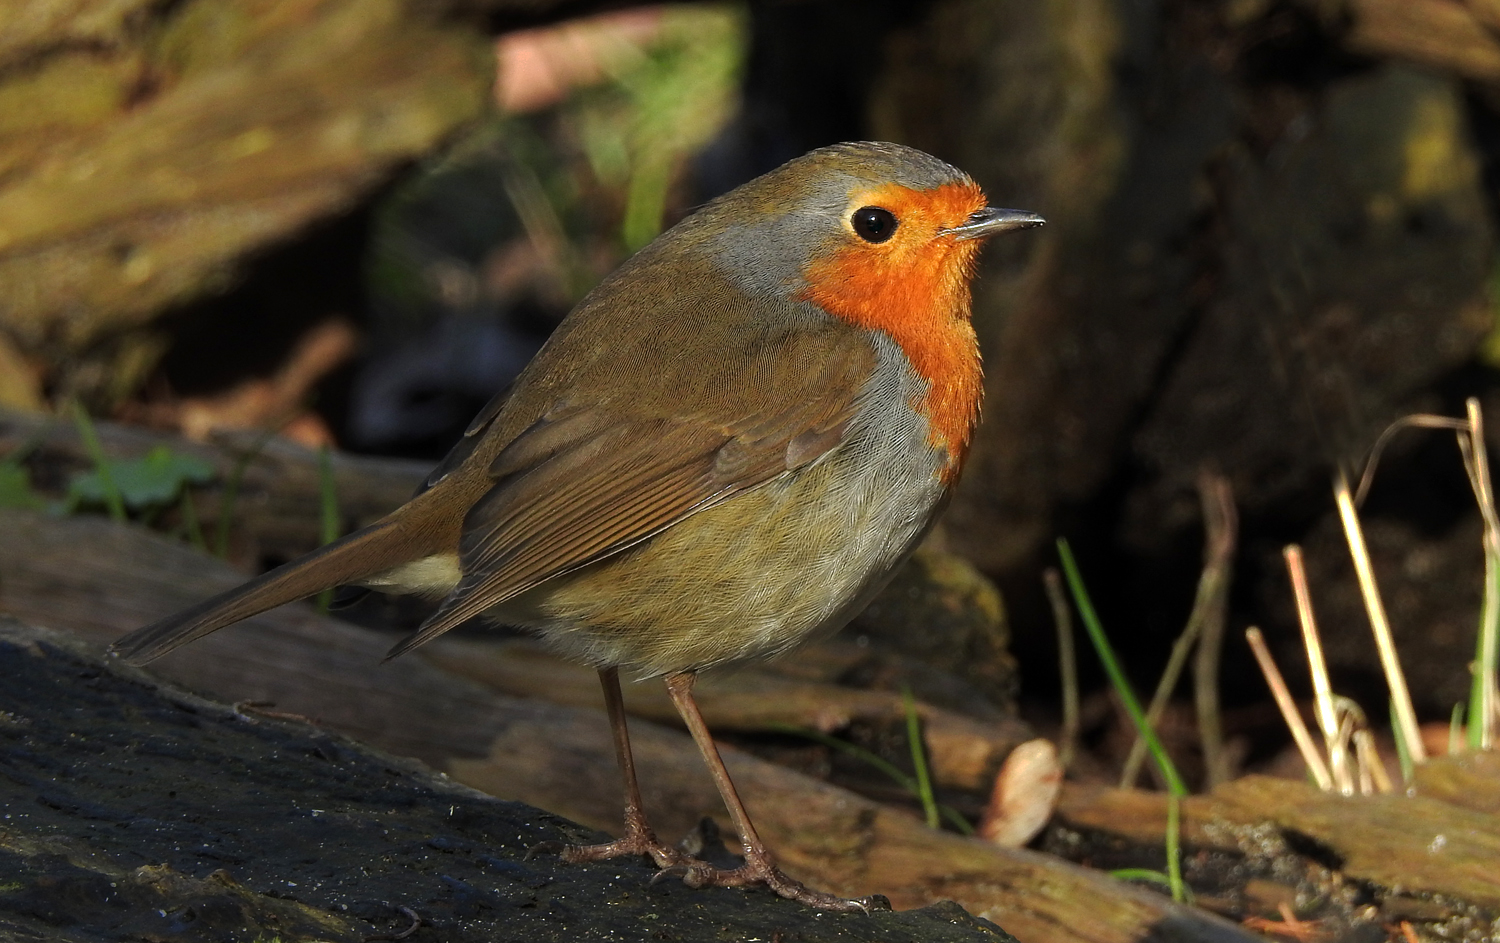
(639, 838)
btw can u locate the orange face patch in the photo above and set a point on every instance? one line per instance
(915, 288)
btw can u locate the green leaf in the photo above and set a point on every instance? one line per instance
(15, 488)
(152, 481)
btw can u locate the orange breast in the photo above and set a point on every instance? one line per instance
(915, 288)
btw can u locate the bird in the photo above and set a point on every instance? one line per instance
(726, 447)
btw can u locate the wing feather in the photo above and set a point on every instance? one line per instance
(583, 483)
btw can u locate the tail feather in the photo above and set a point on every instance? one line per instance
(363, 553)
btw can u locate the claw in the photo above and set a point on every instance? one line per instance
(761, 871)
(676, 870)
(546, 848)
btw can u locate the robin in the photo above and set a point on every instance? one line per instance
(727, 446)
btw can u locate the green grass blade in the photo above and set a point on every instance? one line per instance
(231, 494)
(1140, 874)
(1403, 749)
(1176, 788)
(113, 500)
(900, 778)
(956, 819)
(190, 521)
(1174, 848)
(1487, 651)
(919, 758)
(1116, 674)
(852, 749)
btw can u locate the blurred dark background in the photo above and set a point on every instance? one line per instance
(1270, 234)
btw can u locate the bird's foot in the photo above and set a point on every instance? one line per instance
(759, 869)
(665, 855)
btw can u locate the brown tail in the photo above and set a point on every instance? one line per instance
(363, 553)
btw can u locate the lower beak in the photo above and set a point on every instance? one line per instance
(988, 221)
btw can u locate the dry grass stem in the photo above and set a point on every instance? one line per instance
(1484, 701)
(1485, 704)
(1289, 711)
(1418, 421)
(1366, 777)
(1371, 766)
(1067, 659)
(1345, 771)
(1406, 716)
(1324, 710)
(1220, 526)
(1164, 686)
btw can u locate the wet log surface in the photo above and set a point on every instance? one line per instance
(132, 810)
(99, 580)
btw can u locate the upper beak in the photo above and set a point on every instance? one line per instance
(988, 221)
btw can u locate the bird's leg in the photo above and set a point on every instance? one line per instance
(759, 867)
(639, 838)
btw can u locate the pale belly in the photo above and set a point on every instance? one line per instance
(747, 578)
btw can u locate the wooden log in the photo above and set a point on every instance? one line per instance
(964, 753)
(1408, 845)
(258, 829)
(149, 166)
(1443, 34)
(1470, 780)
(277, 515)
(98, 579)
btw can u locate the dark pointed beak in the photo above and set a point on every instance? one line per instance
(988, 221)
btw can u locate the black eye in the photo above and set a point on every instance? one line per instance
(873, 223)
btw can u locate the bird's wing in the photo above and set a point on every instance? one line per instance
(471, 438)
(583, 483)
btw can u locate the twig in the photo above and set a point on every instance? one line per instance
(1067, 659)
(1222, 526)
(1404, 714)
(1289, 711)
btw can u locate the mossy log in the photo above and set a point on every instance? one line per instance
(147, 148)
(277, 508)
